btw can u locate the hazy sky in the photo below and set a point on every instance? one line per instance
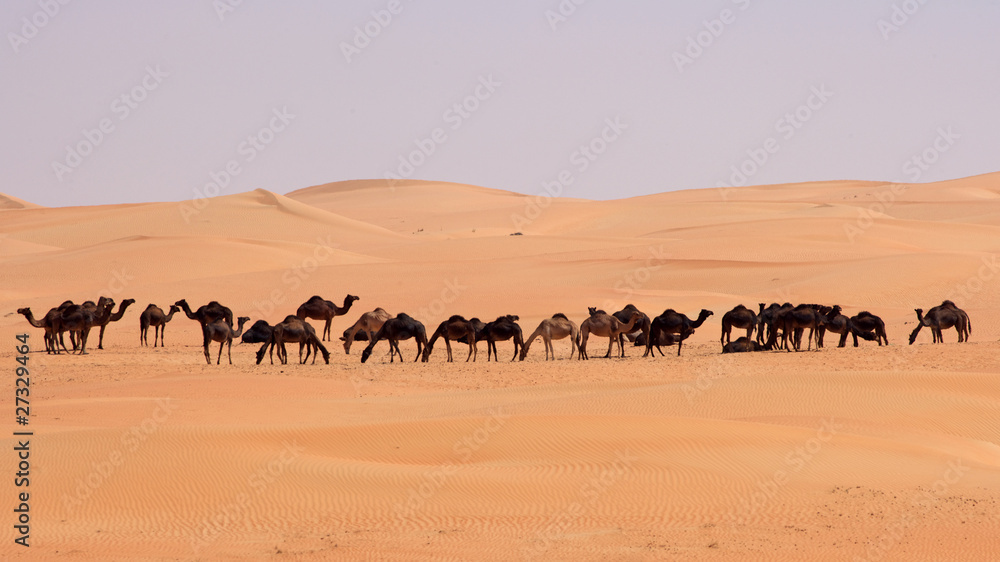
(113, 101)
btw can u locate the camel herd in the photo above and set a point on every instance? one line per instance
(776, 327)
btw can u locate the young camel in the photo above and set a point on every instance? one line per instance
(452, 329)
(368, 324)
(606, 326)
(220, 331)
(154, 316)
(556, 328)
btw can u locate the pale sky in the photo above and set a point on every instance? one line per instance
(621, 97)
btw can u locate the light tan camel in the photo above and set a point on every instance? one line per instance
(317, 308)
(369, 324)
(606, 326)
(556, 328)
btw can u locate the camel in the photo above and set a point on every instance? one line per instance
(222, 332)
(741, 345)
(293, 329)
(642, 328)
(804, 316)
(556, 328)
(665, 339)
(673, 322)
(402, 327)
(942, 317)
(260, 332)
(81, 318)
(51, 323)
(113, 318)
(838, 323)
(452, 329)
(865, 321)
(316, 308)
(154, 316)
(740, 317)
(502, 329)
(367, 325)
(606, 326)
(766, 316)
(208, 313)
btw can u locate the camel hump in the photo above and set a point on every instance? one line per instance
(560, 315)
(457, 318)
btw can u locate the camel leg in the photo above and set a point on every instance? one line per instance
(447, 346)
(583, 346)
(750, 333)
(515, 349)
(843, 338)
(100, 339)
(611, 345)
(471, 344)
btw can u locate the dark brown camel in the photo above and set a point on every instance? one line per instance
(741, 345)
(116, 316)
(293, 329)
(154, 316)
(453, 328)
(740, 317)
(317, 308)
(942, 317)
(640, 329)
(220, 331)
(867, 322)
(673, 322)
(502, 329)
(604, 325)
(259, 332)
(51, 323)
(208, 313)
(402, 327)
(665, 340)
(793, 322)
(555, 328)
(81, 318)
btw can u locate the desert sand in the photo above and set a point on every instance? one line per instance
(868, 453)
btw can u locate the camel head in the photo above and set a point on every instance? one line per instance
(705, 313)
(592, 310)
(920, 314)
(366, 354)
(25, 311)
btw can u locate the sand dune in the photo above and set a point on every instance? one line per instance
(869, 453)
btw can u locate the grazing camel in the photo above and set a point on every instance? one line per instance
(641, 329)
(606, 326)
(502, 329)
(793, 322)
(113, 318)
(366, 326)
(51, 323)
(260, 332)
(402, 327)
(942, 317)
(739, 317)
(556, 328)
(673, 322)
(665, 339)
(316, 308)
(293, 329)
(453, 328)
(741, 345)
(220, 331)
(865, 321)
(154, 316)
(81, 318)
